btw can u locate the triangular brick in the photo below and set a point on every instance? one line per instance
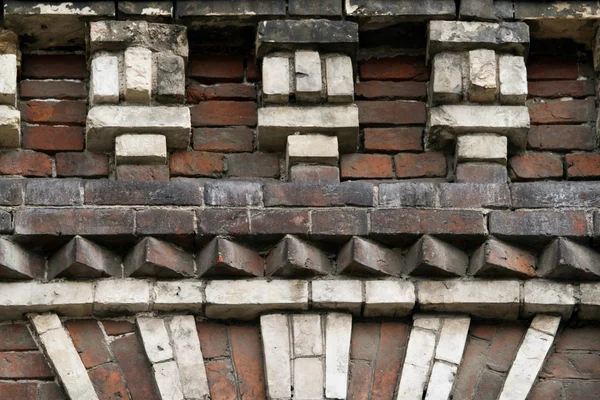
(17, 263)
(565, 259)
(81, 258)
(432, 257)
(153, 257)
(364, 257)
(295, 258)
(498, 259)
(222, 257)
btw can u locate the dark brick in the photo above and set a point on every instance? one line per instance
(562, 112)
(563, 259)
(211, 68)
(554, 89)
(303, 194)
(561, 137)
(156, 258)
(52, 138)
(473, 195)
(552, 68)
(432, 257)
(364, 257)
(196, 93)
(147, 173)
(317, 174)
(25, 163)
(365, 340)
(581, 390)
(11, 192)
(233, 193)
(537, 224)
(16, 337)
(423, 165)
(213, 339)
(88, 339)
(196, 163)
(315, 8)
(279, 221)
(222, 257)
(223, 113)
(253, 72)
(53, 192)
(81, 258)
(84, 164)
(547, 390)
(292, 257)
(225, 140)
(105, 192)
(393, 139)
(583, 166)
(223, 222)
(136, 368)
(18, 390)
(374, 90)
(481, 173)
(407, 194)
(497, 259)
(394, 69)
(370, 166)
(51, 391)
(337, 222)
(54, 112)
(61, 90)
(253, 165)
(116, 328)
(555, 194)
(6, 225)
(452, 222)
(504, 346)
(531, 166)
(472, 366)
(162, 221)
(108, 382)
(490, 385)
(29, 365)
(52, 66)
(391, 112)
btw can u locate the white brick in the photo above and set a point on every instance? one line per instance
(138, 75)
(308, 335)
(8, 79)
(453, 338)
(155, 339)
(548, 297)
(141, 149)
(166, 377)
(441, 381)
(337, 295)
(513, 79)
(487, 299)
(340, 79)
(389, 298)
(447, 78)
(317, 149)
(309, 80)
(45, 322)
(545, 323)
(308, 379)
(426, 321)
(170, 78)
(121, 295)
(104, 80)
(276, 79)
(482, 76)
(247, 299)
(487, 148)
(178, 296)
(275, 333)
(10, 127)
(589, 308)
(338, 330)
(418, 360)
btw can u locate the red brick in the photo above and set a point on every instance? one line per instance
(115, 328)
(225, 140)
(562, 112)
(472, 365)
(546, 390)
(490, 385)
(561, 137)
(393, 139)
(372, 90)
(24, 365)
(223, 113)
(584, 338)
(253, 72)
(482, 331)
(390, 354)
(583, 166)
(52, 138)
(46, 66)
(136, 368)
(148, 173)
(554, 89)
(400, 68)
(196, 163)
(54, 112)
(51, 391)
(84, 164)
(454, 222)
(196, 93)
(246, 352)
(533, 224)
(217, 68)
(221, 380)
(481, 173)
(15, 337)
(280, 221)
(253, 165)
(317, 174)
(25, 163)
(365, 340)
(423, 165)
(582, 390)
(213, 339)
(108, 382)
(62, 90)
(371, 166)
(359, 385)
(572, 365)
(18, 390)
(504, 347)
(543, 68)
(89, 341)
(530, 166)
(391, 112)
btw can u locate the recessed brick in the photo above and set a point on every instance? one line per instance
(532, 166)
(54, 112)
(223, 113)
(48, 66)
(394, 69)
(561, 137)
(52, 138)
(196, 163)
(370, 166)
(376, 90)
(148, 173)
(393, 139)
(391, 113)
(583, 166)
(84, 164)
(555, 89)
(213, 339)
(217, 68)
(253, 72)
(504, 346)
(116, 328)
(552, 68)
(225, 140)
(422, 165)
(481, 173)
(196, 93)
(18, 390)
(25, 163)
(253, 165)
(61, 90)
(562, 112)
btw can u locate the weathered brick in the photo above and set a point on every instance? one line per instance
(222, 257)
(391, 112)
(253, 72)
(302, 194)
(196, 93)
(555, 194)
(583, 166)
(53, 192)
(246, 352)
(423, 165)
(375, 90)
(504, 346)
(531, 166)
(392, 346)
(547, 390)
(88, 339)
(54, 112)
(211, 68)
(223, 222)
(48, 66)
(105, 192)
(490, 385)
(52, 138)
(554, 89)
(483, 330)
(474, 195)
(481, 173)
(223, 113)
(359, 383)
(552, 68)
(51, 391)
(196, 163)
(252, 165)
(84, 164)
(561, 137)
(108, 382)
(363, 257)
(16, 337)
(536, 224)
(365, 340)
(61, 90)
(162, 221)
(221, 379)
(407, 194)
(394, 69)
(562, 112)
(11, 192)
(572, 365)
(136, 369)
(233, 193)
(117, 328)
(29, 365)
(213, 339)
(432, 257)
(226, 140)
(583, 338)
(563, 259)
(371, 166)
(393, 139)
(452, 222)
(338, 222)
(498, 259)
(18, 390)
(279, 221)
(317, 174)
(25, 163)
(473, 365)
(581, 389)
(147, 173)
(293, 257)
(153, 257)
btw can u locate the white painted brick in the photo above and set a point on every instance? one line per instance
(487, 148)
(247, 299)
(316, 149)
(10, 127)
(275, 333)
(8, 79)
(138, 75)
(166, 377)
(545, 323)
(513, 79)
(548, 297)
(309, 80)
(418, 360)
(447, 78)
(155, 339)
(338, 330)
(482, 76)
(389, 298)
(340, 79)
(337, 295)
(426, 321)
(45, 322)
(308, 379)
(589, 308)
(141, 149)
(121, 295)
(178, 296)
(104, 80)
(487, 299)
(74, 299)
(308, 335)
(441, 381)
(276, 79)
(453, 337)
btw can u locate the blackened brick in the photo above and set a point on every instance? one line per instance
(253, 165)
(473, 195)
(344, 221)
(48, 66)
(61, 90)
(561, 137)
(391, 112)
(233, 193)
(317, 174)
(84, 164)
(223, 221)
(279, 221)
(537, 224)
(376, 90)
(406, 194)
(105, 192)
(225, 140)
(11, 192)
(147, 173)
(74, 221)
(554, 194)
(162, 221)
(423, 165)
(210, 68)
(481, 173)
(303, 194)
(196, 93)
(541, 68)
(53, 192)
(394, 69)
(452, 222)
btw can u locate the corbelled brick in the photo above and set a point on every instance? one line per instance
(303, 194)
(563, 259)
(53, 192)
(233, 193)
(54, 112)
(340, 222)
(226, 140)
(497, 259)
(160, 221)
(52, 138)
(432, 257)
(562, 112)
(49, 66)
(222, 257)
(537, 224)
(423, 165)
(153, 257)
(148, 173)
(474, 195)
(394, 69)
(553, 89)
(81, 258)
(406, 221)
(196, 93)
(279, 221)
(561, 137)
(84, 164)
(61, 90)
(364, 257)
(391, 112)
(88, 339)
(223, 113)
(371, 166)
(481, 173)
(375, 90)
(293, 257)
(583, 166)
(252, 165)
(105, 192)
(223, 221)
(531, 166)
(25, 163)
(196, 163)
(393, 139)
(211, 68)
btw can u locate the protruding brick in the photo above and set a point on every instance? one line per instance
(141, 149)
(17, 263)
(153, 257)
(138, 75)
(541, 296)
(431, 256)
(222, 257)
(276, 79)
(447, 80)
(8, 71)
(482, 76)
(486, 148)
(513, 79)
(498, 259)
(104, 81)
(170, 85)
(339, 78)
(317, 149)
(364, 257)
(389, 298)
(293, 257)
(564, 259)
(81, 258)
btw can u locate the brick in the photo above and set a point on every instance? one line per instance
(572, 365)
(557, 89)
(314, 149)
(583, 166)
(513, 79)
(52, 138)
(363, 257)
(427, 221)
(25, 163)
(484, 148)
(365, 341)
(394, 69)
(108, 382)
(196, 93)
(222, 257)
(504, 347)
(418, 361)
(213, 339)
(563, 259)
(136, 369)
(11, 192)
(279, 221)
(29, 365)
(483, 331)
(393, 139)
(482, 66)
(18, 390)
(104, 81)
(376, 90)
(532, 224)
(164, 222)
(561, 137)
(371, 166)
(84, 164)
(253, 73)
(391, 113)
(474, 364)
(141, 149)
(490, 385)
(481, 173)
(301, 194)
(220, 377)
(61, 90)
(16, 337)
(225, 140)
(48, 66)
(308, 77)
(340, 79)
(562, 112)
(223, 113)
(246, 352)
(252, 165)
(233, 193)
(555, 194)
(424, 165)
(392, 346)
(359, 385)
(170, 78)
(54, 112)
(105, 192)
(153, 257)
(196, 163)
(552, 68)
(148, 173)
(578, 338)
(117, 328)
(548, 297)
(53, 192)
(581, 390)
(276, 82)
(81, 258)
(6, 225)
(51, 391)
(547, 390)
(223, 222)
(474, 195)
(293, 257)
(407, 194)
(338, 328)
(531, 166)
(447, 77)
(88, 339)
(317, 174)
(337, 222)
(211, 68)
(430, 256)
(497, 259)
